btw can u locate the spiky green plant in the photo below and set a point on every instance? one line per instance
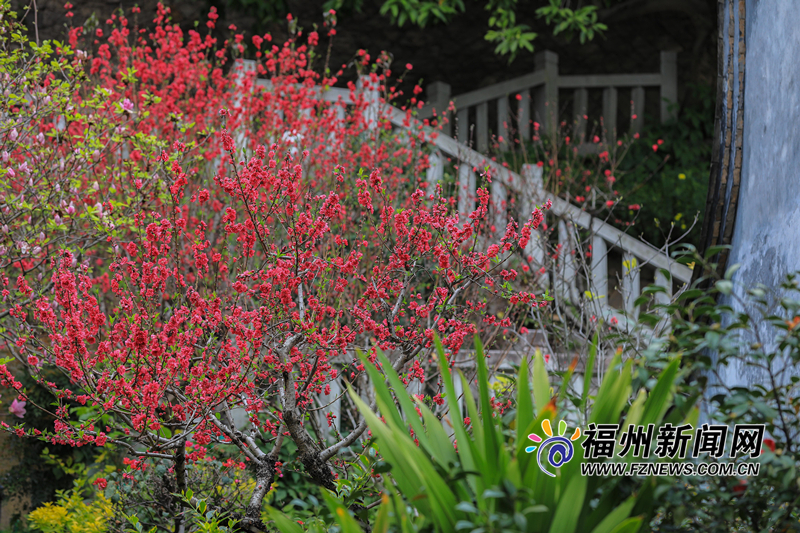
(479, 478)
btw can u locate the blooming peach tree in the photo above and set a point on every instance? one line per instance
(200, 255)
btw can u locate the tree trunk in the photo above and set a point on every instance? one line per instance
(726, 156)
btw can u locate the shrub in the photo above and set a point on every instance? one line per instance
(653, 184)
(671, 188)
(484, 479)
(200, 256)
(82, 509)
(745, 343)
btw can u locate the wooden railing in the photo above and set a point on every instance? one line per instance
(570, 284)
(529, 191)
(538, 92)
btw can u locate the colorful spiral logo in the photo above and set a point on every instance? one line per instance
(560, 448)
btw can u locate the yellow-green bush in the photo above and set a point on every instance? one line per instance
(72, 515)
(83, 509)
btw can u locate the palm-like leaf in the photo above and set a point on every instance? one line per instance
(455, 475)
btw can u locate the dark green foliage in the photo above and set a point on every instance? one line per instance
(488, 482)
(32, 476)
(725, 332)
(672, 191)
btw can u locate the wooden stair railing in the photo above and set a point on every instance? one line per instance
(538, 93)
(528, 188)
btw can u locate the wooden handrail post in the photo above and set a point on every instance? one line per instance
(524, 116)
(637, 110)
(341, 113)
(669, 84)
(372, 96)
(565, 277)
(664, 298)
(482, 127)
(462, 126)
(599, 289)
(502, 122)
(610, 113)
(499, 198)
(662, 281)
(435, 172)
(580, 108)
(467, 185)
(438, 94)
(242, 69)
(532, 188)
(240, 73)
(547, 95)
(631, 275)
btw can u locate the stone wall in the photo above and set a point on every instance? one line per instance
(766, 237)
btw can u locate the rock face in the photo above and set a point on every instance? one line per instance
(766, 238)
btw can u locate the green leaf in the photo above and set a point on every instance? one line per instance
(535, 509)
(589, 371)
(382, 391)
(541, 382)
(525, 412)
(565, 519)
(441, 447)
(283, 522)
(725, 286)
(476, 441)
(398, 448)
(732, 270)
(491, 445)
(406, 403)
(408, 479)
(467, 507)
(659, 400)
(613, 393)
(630, 525)
(616, 517)
(689, 295)
(652, 289)
(456, 417)
(382, 521)
(346, 522)
(634, 415)
(714, 250)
